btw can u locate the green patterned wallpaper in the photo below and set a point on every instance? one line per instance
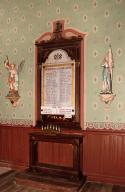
(22, 22)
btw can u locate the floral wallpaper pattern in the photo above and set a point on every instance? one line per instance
(22, 22)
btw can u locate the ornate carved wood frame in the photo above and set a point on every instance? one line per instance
(72, 42)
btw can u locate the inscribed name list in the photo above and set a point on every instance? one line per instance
(58, 90)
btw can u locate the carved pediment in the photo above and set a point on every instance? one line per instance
(59, 34)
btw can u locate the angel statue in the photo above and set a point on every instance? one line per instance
(13, 79)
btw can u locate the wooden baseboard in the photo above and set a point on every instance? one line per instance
(106, 179)
(13, 166)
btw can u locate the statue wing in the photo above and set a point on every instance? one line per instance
(20, 66)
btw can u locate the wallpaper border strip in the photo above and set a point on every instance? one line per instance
(16, 122)
(105, 125)
(88, 125)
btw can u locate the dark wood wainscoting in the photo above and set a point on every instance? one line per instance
(104, 156)
(14, 146)
(103, 152)
(55, 156)
(14, 149)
